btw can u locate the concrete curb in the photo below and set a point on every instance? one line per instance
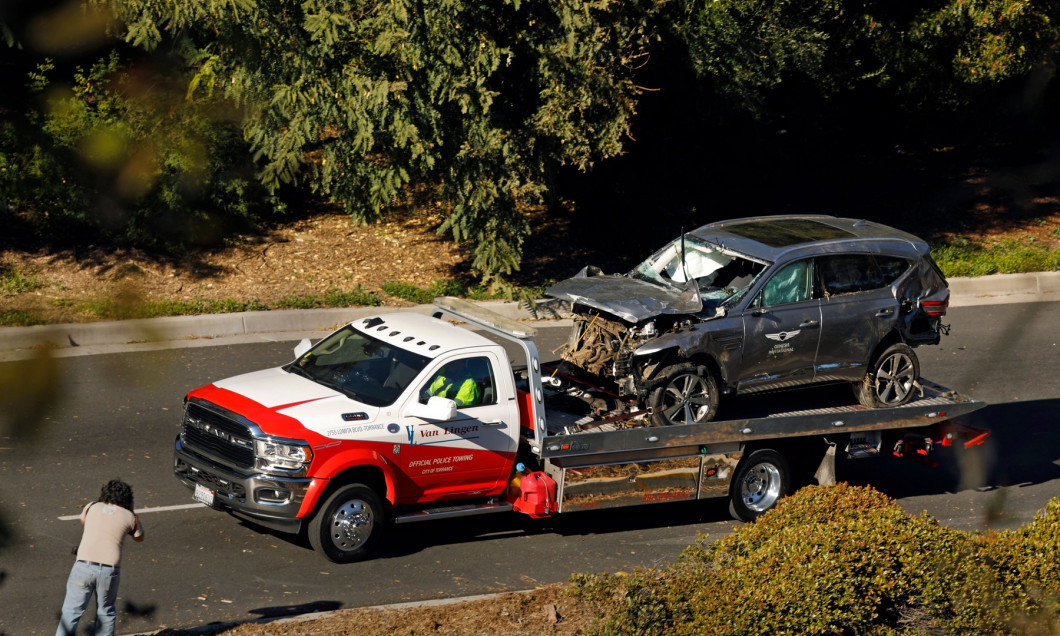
(1038, 286)
(73, 339)
(285, 325)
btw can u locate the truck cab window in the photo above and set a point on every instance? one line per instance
(362, 367)
(468, 381)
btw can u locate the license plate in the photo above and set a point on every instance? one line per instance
(203, 494)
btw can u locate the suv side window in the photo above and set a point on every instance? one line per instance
(891, 267)
(792, 284)
(849, 273)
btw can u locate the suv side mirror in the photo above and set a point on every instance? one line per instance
(437, 408)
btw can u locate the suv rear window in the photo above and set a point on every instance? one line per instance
(850, 273)
(892, 267)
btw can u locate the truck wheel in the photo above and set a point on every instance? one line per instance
(688, 395)
(891, 380)
(761, 479)
(346, 528)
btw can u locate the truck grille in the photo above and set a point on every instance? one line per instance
(215, 435)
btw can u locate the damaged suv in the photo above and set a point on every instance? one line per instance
(759, 304)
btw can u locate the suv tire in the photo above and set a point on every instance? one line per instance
(687, 395)
(891, 379)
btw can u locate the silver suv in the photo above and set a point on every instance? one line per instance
(759, 304)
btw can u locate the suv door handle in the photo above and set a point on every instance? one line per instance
(885, 312)
(809, 324)
(493, 423)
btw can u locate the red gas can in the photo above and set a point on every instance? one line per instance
(537, 495)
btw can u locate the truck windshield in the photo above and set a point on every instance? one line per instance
(364, 368)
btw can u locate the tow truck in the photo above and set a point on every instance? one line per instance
(370, 426)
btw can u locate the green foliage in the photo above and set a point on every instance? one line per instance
(983, 40)
(842, 559)
(358, 99)
(13, 281)
(119, 151)
(467, 107)
(962, 257)
(934, 55)
(449, 287)
(442, 287)
(409, 292)
(19, 318)
(745, 48)
(359, 297)
(124, 308)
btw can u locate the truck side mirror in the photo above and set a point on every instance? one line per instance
(437, 408)
(302, 347)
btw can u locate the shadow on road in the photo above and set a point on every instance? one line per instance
(1023, 449)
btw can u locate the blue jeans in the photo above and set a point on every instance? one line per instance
(86, 578)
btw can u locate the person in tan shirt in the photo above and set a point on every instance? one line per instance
(98, 567)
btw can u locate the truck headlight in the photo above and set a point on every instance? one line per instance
(273, 455)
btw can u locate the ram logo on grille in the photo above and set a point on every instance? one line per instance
(201, 425)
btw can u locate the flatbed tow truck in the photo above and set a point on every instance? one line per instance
(338, 455)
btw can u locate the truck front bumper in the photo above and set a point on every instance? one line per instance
(268, 500)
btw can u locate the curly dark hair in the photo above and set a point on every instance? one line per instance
(117, 492)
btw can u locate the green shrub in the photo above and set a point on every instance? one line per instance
(842, 560)
(448, 287)
(13, 281)
(409, 292)
(359, 297)
(126, 308)
(19, 318)
(440, 287)
(962, 257)
(136, 162)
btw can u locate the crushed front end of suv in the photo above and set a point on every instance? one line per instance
(759, 304)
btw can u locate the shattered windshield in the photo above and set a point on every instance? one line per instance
(720, 277)
(364, 368)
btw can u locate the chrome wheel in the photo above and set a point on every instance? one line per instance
(892, 378)
(347, 525)
(896, 376)
(761, 479)
(688, 396)
(760, 487)
(351, 525)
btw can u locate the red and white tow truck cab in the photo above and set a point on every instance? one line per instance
(405, 417)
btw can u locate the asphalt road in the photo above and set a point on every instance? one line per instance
(116, 415)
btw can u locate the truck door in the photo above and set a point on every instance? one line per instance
(781, 330)
(472, 454)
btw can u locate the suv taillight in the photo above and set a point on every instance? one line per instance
(935, 308)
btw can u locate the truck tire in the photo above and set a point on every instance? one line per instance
(761, 479)
(891, 379)
(347, 526)
(687, 395)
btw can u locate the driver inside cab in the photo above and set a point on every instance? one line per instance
(455, 381)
